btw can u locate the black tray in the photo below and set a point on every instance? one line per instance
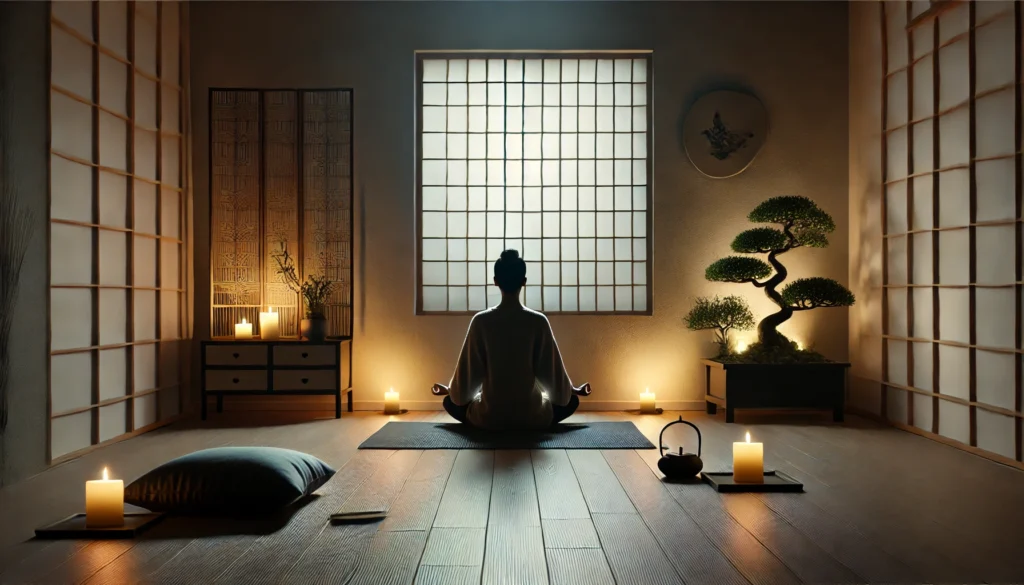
(774, 481)
(74, 527)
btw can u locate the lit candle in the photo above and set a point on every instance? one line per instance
(270, 325)
(243, 330)
(104, 502)
(647, 401)
(748, 462)
(391, 402)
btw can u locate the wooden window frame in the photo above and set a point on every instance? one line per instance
(559, 55)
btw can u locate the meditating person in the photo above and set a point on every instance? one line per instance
(510, 374)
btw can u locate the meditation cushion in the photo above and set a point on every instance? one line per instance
(233, 481)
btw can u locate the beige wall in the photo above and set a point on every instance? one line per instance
(865, 211)
(793, 55)
(23, 47)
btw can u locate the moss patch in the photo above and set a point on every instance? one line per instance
(785, 354)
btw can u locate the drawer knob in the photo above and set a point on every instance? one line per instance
(305, 380)
(235, 380)
(305, 355)
(235, 354)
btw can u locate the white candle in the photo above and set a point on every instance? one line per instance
(270, 325)
(243, 330)
(391, 402)
(748, 462)
(647, 401)
(104, 502)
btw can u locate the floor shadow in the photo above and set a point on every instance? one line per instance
(684, 481)
(791, 418)
(535, 439)
(256, 419)
(178, 527)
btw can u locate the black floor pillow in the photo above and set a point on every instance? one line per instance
(233, 481)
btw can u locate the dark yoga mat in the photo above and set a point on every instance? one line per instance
(422, 435)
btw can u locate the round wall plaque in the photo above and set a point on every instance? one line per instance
(724, 131)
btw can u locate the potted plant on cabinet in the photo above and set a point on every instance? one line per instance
(314, 291)
(775, 372)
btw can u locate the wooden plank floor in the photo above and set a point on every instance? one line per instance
(881, 506)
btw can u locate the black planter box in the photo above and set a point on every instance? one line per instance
(780, 386)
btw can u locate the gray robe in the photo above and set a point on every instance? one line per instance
(510, 371)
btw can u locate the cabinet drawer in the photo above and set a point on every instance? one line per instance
(236, 355)
(305, 355)
(295, 380)
(227, 380)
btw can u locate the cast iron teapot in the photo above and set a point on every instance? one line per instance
(679, 465)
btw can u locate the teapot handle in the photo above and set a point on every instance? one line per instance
(661, 443)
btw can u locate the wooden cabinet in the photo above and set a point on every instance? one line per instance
(279, 368)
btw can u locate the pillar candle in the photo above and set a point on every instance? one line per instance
(748, 462)
(104, 502)
(647, 401)
(270, 325)
(391, 402)
(243, 330)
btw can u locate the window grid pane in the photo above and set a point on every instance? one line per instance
(544, 155)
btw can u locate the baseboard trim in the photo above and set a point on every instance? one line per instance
(585, 405)
(236, 403)
(994, 457)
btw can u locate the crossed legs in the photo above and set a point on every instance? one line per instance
(560, 413)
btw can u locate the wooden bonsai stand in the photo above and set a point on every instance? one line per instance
(819, 386)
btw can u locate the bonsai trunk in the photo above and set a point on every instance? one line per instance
(767, 332)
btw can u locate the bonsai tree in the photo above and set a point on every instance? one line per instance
(800, 223)
(722, 315)
(315, 290)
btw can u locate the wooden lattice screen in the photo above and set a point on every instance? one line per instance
(274, 153)
(951, 219)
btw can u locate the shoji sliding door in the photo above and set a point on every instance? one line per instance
(952, 221)
(118, 201)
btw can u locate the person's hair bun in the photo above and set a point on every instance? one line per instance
(510, 255)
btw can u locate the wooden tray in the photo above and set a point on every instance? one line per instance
(774, 481)
(74, 527)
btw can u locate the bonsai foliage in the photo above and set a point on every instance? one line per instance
(315, 290)
(800, 223)
(721, 315)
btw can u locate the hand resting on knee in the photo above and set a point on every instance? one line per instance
(442, 390)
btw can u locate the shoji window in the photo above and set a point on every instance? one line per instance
(117, 211)
(280, 172)
(952, 221)
(548, 154)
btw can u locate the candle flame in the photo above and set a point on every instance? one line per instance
(748, 436)
(105, 475)
(270, 309)
(244, 321)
